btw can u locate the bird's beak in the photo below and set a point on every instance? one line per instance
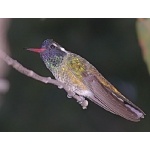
(37, 50)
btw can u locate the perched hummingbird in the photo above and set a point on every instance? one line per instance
(83, 79)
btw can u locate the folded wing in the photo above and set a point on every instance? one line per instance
(111, 101)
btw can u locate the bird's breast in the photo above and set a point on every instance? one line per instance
(73, 81)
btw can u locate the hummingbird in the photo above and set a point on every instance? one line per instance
(83, 79)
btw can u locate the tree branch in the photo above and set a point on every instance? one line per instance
(16, 65)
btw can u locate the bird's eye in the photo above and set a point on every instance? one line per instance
(52, 46)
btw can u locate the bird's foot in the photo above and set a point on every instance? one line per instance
(70, 94)
(83, 102)
(80, 99)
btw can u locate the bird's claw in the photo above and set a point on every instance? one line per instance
(83, 102)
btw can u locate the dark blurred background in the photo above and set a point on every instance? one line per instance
(111, 45)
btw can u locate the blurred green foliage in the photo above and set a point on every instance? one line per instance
(111, 45)
(143, 31)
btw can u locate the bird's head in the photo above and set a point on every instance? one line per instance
(50, 52)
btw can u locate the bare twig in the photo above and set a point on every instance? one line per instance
(16, 65)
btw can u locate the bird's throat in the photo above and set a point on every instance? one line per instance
(52, 59)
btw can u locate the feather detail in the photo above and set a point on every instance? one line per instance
(116, 104)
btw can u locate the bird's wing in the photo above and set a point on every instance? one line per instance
(104, 94)
(112, 101)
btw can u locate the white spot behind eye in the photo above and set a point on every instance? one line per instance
(63, 49)
(55, 45)
(60, 47)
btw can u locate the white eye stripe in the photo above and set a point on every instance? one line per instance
(60, 47)
(55, 45)
(63, 49)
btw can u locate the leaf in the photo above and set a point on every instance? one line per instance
(143, 32)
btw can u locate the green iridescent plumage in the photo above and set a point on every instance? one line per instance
(83, 79)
